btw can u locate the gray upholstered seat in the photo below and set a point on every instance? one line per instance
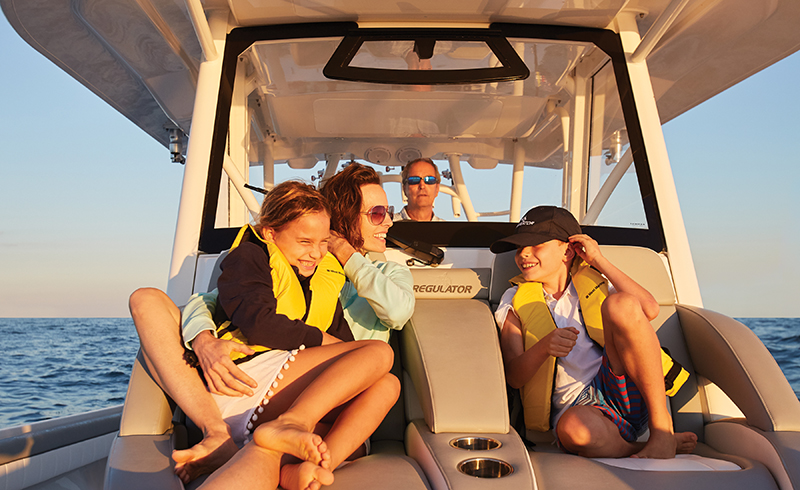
(449, 361)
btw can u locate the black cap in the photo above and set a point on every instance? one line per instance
(540, 224)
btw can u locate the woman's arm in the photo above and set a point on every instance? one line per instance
(388, 288)
(198, 316)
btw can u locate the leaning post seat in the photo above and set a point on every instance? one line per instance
(712, 348)
(452, 358)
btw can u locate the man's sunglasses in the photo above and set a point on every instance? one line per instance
(378, 213)
(428, 179)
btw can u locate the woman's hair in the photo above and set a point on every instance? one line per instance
(289, 201)
(343, 193)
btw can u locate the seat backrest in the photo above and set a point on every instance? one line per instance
(451, 352)
(215, 272)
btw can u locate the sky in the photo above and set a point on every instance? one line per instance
(88, 202)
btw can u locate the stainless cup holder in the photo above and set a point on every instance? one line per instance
(475, 443)
(485, 468)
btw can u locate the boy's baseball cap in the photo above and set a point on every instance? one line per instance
(540, 224)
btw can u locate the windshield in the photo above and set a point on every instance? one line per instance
(557, 137)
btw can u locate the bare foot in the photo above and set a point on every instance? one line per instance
(686, 442)
(661, 445)
(304, 476)
(204, 457)
(288, 438)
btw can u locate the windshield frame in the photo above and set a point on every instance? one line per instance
(450, 234)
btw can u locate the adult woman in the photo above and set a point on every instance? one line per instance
(152, 311)
(379, 296)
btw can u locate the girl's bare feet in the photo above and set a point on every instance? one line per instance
(206, 456)
(304, 476)
(285, 437)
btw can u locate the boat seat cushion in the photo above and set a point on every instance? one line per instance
(706, 469)
(451, 352)
(681, 462)
(385, 471)
(142, 461)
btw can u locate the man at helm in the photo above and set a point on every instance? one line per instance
(421, 186)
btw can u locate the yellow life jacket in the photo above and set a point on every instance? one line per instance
(537, 322)
(325, 285)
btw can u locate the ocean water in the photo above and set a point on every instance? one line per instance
(782, 338)
(52, 367)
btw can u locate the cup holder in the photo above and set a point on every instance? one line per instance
(485, 468)
(475, 443)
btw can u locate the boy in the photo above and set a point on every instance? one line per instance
(565, 319)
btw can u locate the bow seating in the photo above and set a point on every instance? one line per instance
(448, 360)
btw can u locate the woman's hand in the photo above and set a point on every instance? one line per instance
(222, 375)
(340, 248)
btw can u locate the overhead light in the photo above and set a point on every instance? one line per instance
(303, 163)
(482, 163)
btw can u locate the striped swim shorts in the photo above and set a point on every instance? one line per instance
(618, 398)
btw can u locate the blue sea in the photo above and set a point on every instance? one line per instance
(52, 367)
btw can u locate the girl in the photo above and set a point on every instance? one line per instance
(378, 297)
(264, 288)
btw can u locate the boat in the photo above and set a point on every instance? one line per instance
(561, 101)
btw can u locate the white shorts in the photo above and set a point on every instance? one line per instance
(237, 411)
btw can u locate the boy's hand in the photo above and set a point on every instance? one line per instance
(586, 248)
(560, 341)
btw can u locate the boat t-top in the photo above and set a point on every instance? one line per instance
(520, 103)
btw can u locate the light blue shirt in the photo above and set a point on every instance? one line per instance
(377, 298)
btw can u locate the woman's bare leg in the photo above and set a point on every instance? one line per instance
(157, 321)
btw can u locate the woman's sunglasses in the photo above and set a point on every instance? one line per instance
(378, 213)
(428, 179)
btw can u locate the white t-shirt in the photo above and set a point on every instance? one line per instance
(579, 367)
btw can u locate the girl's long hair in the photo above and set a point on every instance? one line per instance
(343, 193)
(287, 202)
